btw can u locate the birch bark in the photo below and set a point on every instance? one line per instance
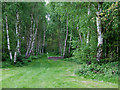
(99, 31)
(70, 41)
(88, 34)
(32, 46)
(17, 35)
(65, 39)
(8, 39)
(30, 40)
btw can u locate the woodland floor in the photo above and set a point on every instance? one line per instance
(44, 73)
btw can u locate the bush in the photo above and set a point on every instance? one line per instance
(72, 59)
(21, 61)
(5, 57)
(95, 70)
(6, 64)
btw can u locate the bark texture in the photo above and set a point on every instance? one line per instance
(8, 39)
(99, 31)
(66, 39)
(70, 42)
(30, 39)
(88, 34)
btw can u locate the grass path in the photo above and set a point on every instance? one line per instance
(43, 73)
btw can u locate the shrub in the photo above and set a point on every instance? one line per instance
(95, 70)
(21, 61)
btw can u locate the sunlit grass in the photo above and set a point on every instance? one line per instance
(44, 73)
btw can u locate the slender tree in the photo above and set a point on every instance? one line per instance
(8, 39)
(70, 41)
(66, 38)
(99, 31)
(88, 34)
(32, 45)
(43, 48)
(30, 39)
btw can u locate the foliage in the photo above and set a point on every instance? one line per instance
(95, 71)
(52, 18)
(21, 61)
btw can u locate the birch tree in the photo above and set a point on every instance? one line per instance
(66, 38)
(17, 51)
(32, 45)
(88, 34)
(99, 31)
(8, 39)
(70, 41)
(30, 39)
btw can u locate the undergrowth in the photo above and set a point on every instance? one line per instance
(21, 61)
(106, 71)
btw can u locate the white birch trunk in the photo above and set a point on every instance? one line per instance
(18, 41)
(32, 46)
(8, 40)
(33, 38)
(88, 34)
(3, 32)
(17, 33)
(65, 38)
(15, 54)
(39, 49)
(29, 43)
(99, 31)
(61, 44)
(88, 37)
(70, 41)
(16, 50)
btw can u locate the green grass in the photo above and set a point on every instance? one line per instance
(44, 73)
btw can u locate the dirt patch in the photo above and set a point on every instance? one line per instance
(55, 58)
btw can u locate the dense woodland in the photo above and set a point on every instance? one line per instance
(82, 32)
(86, 31)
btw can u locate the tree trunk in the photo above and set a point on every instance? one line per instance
(88, 34)
(39, 46)
(33, 39)
(88, 37)
(65, 39)
(30, 40)
(8, 40)
(17, 33)
(70, 42)
(32, 46)
(79, 34)
(43, 48)
(99, 31)
(19, 51)
(61, 43)
(15, 55)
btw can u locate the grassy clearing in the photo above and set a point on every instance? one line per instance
(44, 73)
